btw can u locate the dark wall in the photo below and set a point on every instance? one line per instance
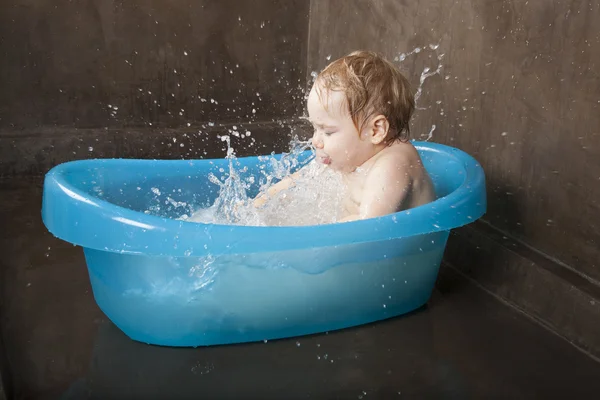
(519, 89)
(126, 78)
(70, 68)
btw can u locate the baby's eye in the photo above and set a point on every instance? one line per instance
(329, 133)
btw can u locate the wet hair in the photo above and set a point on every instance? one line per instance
(372, 86)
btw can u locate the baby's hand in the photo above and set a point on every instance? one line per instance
(260, 201)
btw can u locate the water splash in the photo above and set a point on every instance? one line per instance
(231, 204)
(427, 73)
(402, 56)
(430, 135)
(315, 197)
(204, 272)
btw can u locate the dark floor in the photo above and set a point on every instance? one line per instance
(464, 344)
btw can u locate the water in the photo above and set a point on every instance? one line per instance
(315, 198)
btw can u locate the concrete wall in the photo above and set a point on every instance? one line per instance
(114, 75)
(519, 89)
(126, 78)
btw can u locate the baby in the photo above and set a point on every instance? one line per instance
(360, 107)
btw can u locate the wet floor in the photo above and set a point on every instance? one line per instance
(463, 344)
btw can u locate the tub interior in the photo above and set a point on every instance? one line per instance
(173, 188)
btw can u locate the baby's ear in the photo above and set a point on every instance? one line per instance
(379, 129)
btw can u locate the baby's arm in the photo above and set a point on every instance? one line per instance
(386, 189)
(283, 184)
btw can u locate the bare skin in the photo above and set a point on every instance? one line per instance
(380, 178)
(393, 180)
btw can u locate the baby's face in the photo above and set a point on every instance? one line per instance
(336, 139)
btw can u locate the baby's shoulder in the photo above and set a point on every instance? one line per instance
(398, 156)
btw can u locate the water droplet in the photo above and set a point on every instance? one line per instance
(328, 57)
(298, 344)
(90, 148)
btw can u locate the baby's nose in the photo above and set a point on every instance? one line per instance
(317, 142)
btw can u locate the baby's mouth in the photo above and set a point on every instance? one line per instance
(324, 160)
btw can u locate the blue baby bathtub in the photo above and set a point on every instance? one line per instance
(171, 282)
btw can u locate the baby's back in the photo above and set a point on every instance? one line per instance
(421, 190)
(407, 183)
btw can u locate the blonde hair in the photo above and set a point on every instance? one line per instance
(372, 86)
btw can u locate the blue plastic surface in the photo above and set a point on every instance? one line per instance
(170, 282)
